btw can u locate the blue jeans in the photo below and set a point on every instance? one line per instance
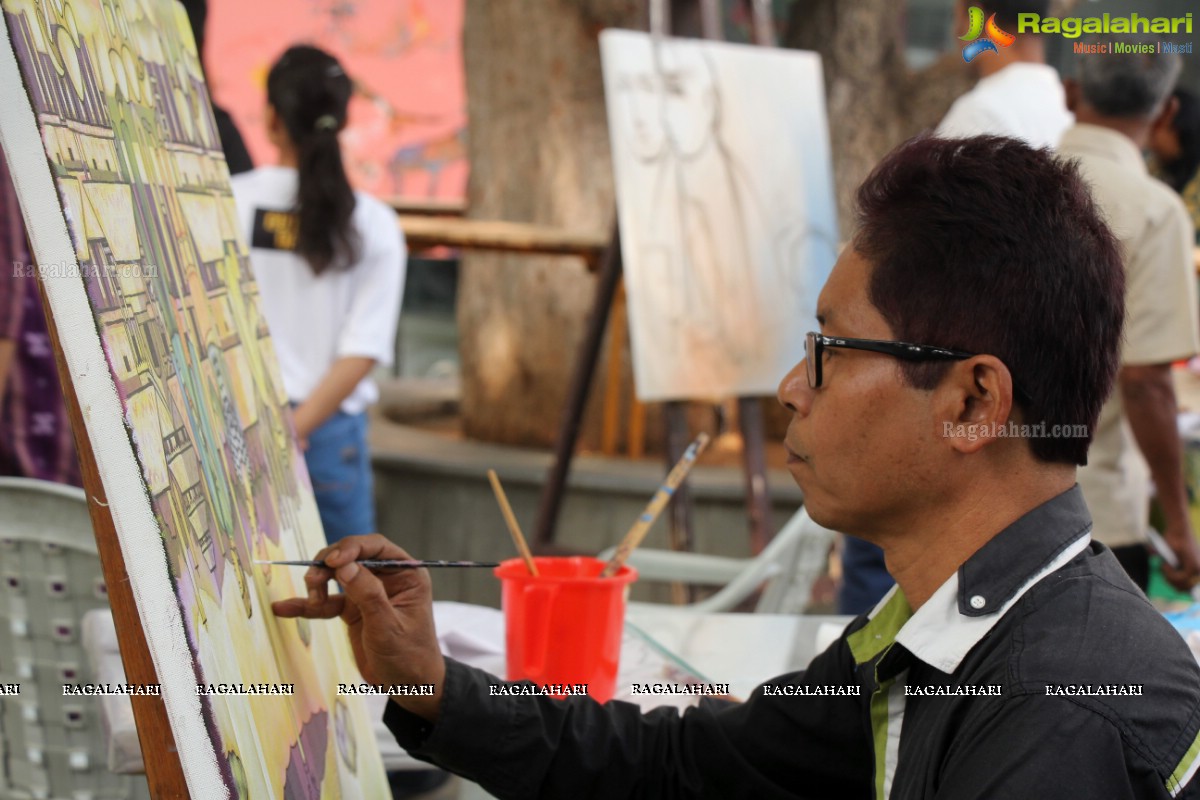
(865, 579)
(340, 468)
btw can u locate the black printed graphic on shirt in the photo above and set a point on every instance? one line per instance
(274, 230)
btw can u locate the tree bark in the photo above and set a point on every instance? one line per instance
(539, 152)
(874, 100)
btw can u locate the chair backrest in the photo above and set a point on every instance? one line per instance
(50, 575)
(787, 568)
(790, 591)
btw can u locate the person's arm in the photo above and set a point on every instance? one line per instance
(1037, 746)
(1148, 394)
(335, 386)
(1162, 319)
(7, 349)
(369, 335)
(531, 747)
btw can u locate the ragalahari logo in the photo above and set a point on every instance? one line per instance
(975, 28)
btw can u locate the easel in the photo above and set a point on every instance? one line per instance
(750, 419)
(164, 773)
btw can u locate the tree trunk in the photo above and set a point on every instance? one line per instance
(539, 152)
(874, 100)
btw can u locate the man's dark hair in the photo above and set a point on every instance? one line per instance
(1130, 86)
(990, 246)
(1006, 10)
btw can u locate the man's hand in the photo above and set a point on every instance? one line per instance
(1182, 542)
(389, 617)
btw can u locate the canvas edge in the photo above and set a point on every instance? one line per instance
(121, 475)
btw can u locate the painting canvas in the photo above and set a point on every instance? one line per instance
(726, 207)
(109, 133)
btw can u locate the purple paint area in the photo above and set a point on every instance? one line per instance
(306, 767)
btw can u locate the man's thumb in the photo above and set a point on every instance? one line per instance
(364, 589)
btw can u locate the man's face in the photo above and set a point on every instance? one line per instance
(864, 446)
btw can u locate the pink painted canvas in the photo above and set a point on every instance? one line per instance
(405, 137)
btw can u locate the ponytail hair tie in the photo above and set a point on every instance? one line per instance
(326, 122)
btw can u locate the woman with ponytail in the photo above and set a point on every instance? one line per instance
(330, 266)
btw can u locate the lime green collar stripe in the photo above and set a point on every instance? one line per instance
(1186, 769)
(880, 631)
(879, 735)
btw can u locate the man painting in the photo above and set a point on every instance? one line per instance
(978, 306)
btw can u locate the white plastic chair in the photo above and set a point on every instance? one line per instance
(50, 575)
(789, 566)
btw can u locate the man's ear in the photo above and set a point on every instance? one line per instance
(975, 403)
(1167, 115)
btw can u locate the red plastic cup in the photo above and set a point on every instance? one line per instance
(564, 626)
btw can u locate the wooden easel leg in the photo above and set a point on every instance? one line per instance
(636, 442)
(612, 382)
(577, 394)
(677, 440)
(164, 773)
(758, 503)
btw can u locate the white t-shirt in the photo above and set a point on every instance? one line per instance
(1023, 100)
(315, 320)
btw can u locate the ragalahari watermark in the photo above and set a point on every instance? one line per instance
(70, 269)
(973, 432)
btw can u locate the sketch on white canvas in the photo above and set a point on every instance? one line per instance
(726, 207)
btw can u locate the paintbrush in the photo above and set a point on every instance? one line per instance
(386, 564)
(510, 519)
(656, 505)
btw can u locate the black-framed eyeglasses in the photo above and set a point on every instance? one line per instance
(815, 344)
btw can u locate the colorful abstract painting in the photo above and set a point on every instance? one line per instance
(406, 135)
(725, 199)
(111, 140)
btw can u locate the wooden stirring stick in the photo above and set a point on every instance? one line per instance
(655, 507)
(511, 521)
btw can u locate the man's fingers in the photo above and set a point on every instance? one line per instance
(1183, 580)
(327, 608)
(366, 591)
(316, 579)
(354, 548)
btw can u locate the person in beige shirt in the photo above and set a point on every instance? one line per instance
(1116, 101)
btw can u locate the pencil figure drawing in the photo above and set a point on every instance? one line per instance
(728, 228)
